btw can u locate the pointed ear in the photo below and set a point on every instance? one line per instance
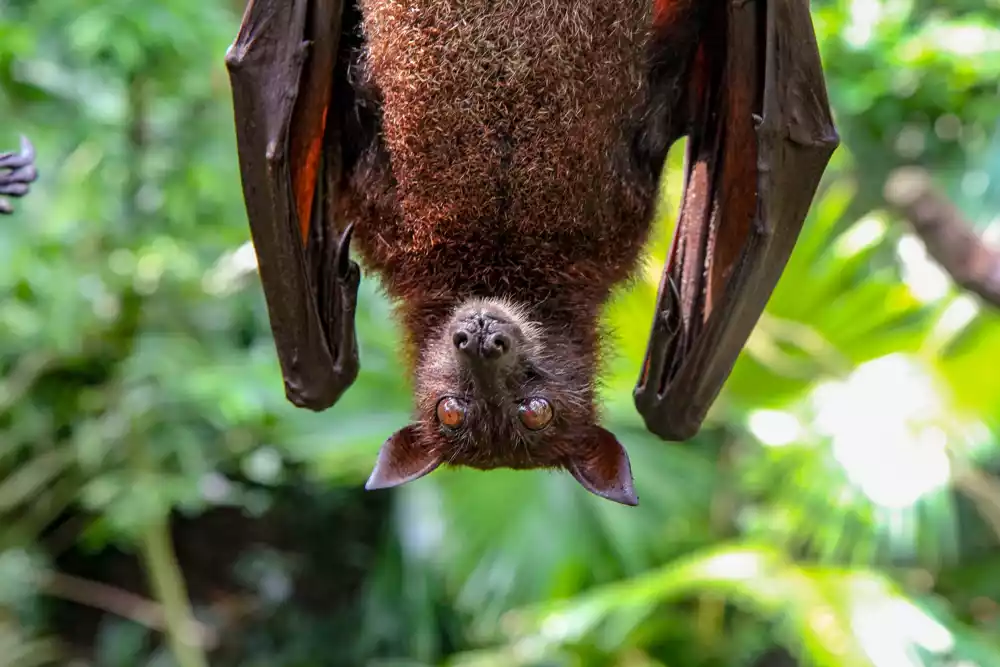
(603, 468)
(401, 460)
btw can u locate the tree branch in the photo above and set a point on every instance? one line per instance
(949, 237)
(117, 601)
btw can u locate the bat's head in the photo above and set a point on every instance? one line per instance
(495, 389)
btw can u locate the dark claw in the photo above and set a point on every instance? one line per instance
(337, 283)
(673, 325)
(20, 173)
(671, 316)
(343, 261)
(16, 183)
(23, 158)
(343, 336)
(657, 354)
(13, 188)
(663, 345)
(664, 355)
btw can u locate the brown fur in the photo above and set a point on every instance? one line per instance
(507, 163)
(506, 124)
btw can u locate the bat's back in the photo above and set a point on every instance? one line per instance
(508, 132)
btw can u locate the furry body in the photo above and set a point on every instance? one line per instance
(496, 149)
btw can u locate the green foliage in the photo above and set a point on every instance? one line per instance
(841, 501)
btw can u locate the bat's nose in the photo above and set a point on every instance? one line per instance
(482, 339)
(482, 344)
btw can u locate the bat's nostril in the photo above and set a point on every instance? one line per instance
(460, 339)
(497, 345)
(501, 342)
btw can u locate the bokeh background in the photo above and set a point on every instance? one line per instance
(162, 504)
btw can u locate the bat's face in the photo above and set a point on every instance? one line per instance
(498, 390)
(494, 391)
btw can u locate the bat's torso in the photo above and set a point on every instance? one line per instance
(505, 160)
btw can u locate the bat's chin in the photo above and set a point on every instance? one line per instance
(588, 452)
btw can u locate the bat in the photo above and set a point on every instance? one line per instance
(17, 173)
(497, 165)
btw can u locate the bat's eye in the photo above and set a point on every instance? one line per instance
(451, 412)
(535, 413)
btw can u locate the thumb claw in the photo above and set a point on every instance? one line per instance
(344, 251)
(27, 149)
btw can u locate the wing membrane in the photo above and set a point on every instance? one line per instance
(760, 137)
(281, 70)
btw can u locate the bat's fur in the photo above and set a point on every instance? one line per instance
(507, 150)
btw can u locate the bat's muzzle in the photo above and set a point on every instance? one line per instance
(483, 340)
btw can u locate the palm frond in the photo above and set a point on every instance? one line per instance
(824, 616)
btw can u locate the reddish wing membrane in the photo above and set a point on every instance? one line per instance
(323, 22)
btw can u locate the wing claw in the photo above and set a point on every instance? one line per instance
(343, 262)
(17, 173)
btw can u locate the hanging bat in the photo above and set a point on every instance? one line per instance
(17, 173)
(497, 164)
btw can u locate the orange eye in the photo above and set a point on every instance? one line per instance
(535, 413)
(451, 412)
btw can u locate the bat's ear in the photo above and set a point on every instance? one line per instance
(402, 459)
(602, 467)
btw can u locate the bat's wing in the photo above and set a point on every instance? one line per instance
(17, 173)
(760, 135)
(281, 68)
